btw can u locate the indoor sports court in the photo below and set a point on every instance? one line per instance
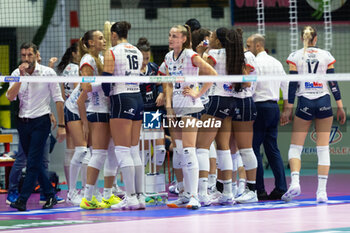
(114, 163)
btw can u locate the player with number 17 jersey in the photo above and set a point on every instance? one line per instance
(128, 61)
(312, 61)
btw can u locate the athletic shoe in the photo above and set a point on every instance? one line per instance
(321, 197)
(205, 199)
(90, 205)
(142, 203)
(193, 204)
(234, 190)
(12, 197)
(111, 201)
(173, 188)
(128, 203)
(226, 199)
(240, 189)
(293, 191)
(248, 196)
(73, 198)
(214, 194)
(181, 202)
(153, 200)
(43, 199)
(117, 191)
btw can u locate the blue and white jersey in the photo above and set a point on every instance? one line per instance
(312, 61)
(71, 69)
(127, 61)
(149, 91)
(182, 66)
(98, 102)
(71, 102)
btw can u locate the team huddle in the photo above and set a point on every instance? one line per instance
(103, 120)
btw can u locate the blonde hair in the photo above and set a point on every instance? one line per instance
(107, 34)
(308, 34)
(185, 30)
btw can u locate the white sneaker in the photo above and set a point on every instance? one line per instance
(193, 203)
(128, 203)
(235, 190)
(247, 196)
(117, 191)
(214, 195)
(98, 195)
(226, 199)
(293, 191)
(180, 202)
(205, 199)
(321, 197)
(142, 201)
(240, 189)
(173, 188)
(73, 198)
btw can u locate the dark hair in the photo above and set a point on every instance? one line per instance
(121, 28)
(67, 57)
(194, 24)
(235, 60)
(221, 35)
(143, 45)
(198, 36)
(27, 45)
(84, 46)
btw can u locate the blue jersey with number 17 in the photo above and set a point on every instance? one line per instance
(312, 61)
(127, 62)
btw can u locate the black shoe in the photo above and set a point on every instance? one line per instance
(276, 194)
(262, 196)
(19, 205)
(50, 203)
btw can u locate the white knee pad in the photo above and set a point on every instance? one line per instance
(79, 154)
(234, 158)
(239, 160)
(203, 159)
(88, 155)
(160, 155)
(98, 159)
(212, 151)
(111, 164)
(323, 155)
(68, 155)
(189, 159)
(177, 158)
(248, 158)
(224, 160)
(295, 152)
(135, 154)
(123, 156)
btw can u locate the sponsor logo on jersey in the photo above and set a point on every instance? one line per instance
(313, 85)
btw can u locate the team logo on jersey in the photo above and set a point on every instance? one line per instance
(334, 137)
(151, 120)
(313, 85)
(227, 87)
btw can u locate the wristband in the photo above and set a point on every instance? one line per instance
(61, 126)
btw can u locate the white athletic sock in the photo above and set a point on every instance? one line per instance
(89, 191)
(83, 174)
(241, 183)
(322, 183)
(294, 178)
(75, 165)
(203, 186)
(139, 178)
(227, 186)
(107, 193)
(190, 170)
(211, 180)
(68, 155)
(180, 186)
(129, 179)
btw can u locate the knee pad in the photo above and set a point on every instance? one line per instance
(160, 155)
(234, 158)
(189, 159)
(295, 152)
(323, 155)
(79, 154)
(203, 159)
(123, 156)
(111, 164)
(68, 155)
(135, 155)
(239, 161)
(212, 151)
(177, 158)
(98, 159)
(248, 158)
(224, 160)
(88, 155)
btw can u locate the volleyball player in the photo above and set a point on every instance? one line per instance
(313, 104)
(183, 100)
(124, 59)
